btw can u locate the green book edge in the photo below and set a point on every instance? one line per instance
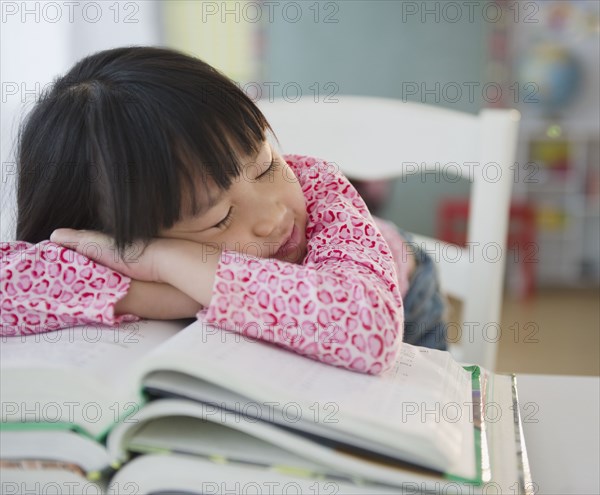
(143, 399)
(476, 396)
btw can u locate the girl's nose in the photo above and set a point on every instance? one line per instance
(268, 220)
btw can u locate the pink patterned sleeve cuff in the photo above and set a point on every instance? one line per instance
(47, 287)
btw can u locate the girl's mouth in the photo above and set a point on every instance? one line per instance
(292, 243)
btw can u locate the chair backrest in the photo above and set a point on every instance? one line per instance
(380, 138)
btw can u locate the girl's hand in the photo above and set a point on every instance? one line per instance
(138, 263)
(157, 302)
(188, 266)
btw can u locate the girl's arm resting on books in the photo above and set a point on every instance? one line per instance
(46, 287)
(339, 312)
(343, 307)
(189, 267)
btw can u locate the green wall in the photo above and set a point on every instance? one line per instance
(372, 49)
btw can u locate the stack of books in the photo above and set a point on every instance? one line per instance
(184, 407)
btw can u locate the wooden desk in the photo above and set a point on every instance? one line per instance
(561, 422)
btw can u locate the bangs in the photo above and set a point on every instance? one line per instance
(215, 161)
(139, 136)
(163, 141)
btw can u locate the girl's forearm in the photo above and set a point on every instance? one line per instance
(157, 301)
(190, 267)
(185, 265)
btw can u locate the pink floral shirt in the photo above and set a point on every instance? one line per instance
(342, 305)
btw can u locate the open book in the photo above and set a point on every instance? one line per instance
(219, 398)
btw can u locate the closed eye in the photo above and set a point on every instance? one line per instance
(270, 169)
(226, 221)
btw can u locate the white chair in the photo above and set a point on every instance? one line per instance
(379, 138)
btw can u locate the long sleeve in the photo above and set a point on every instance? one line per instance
(342, 305)
(48, 287)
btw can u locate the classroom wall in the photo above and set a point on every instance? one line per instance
(380, 48)
(353, 47)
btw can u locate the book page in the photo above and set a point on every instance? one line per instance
(411, 399)
(186, 433)
(61, 377)
(179, 473)
(94, 349)
(426, 373)
(65, 445)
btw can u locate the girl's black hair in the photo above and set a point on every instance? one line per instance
(123, 141)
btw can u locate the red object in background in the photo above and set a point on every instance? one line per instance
(453, 215)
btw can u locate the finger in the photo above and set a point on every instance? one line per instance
(63, 235)
(101, 248)
(92, 244)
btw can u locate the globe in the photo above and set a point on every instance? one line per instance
(556, 74)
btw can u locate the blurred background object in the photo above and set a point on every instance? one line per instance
(540, 57)
(555, 71)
